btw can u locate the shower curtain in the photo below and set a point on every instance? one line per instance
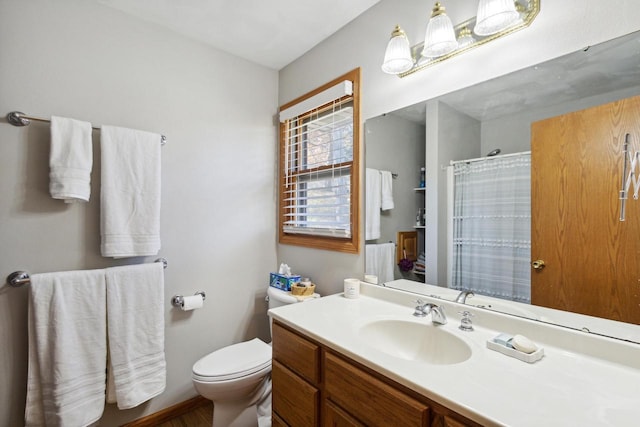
(491, 227)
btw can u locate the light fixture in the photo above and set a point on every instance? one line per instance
(494, 16)
(440, 38)
(397, 57)
(495, 19)
(465, 38)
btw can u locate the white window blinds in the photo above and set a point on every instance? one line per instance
(318, 170)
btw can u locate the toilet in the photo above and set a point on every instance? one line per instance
(236, 378)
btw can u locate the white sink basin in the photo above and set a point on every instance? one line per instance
(413, 340)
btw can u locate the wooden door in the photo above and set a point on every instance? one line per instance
(592, 259)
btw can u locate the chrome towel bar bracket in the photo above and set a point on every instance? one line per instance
(19, 278)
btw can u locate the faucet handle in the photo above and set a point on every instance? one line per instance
(420, 308)
(465, 323)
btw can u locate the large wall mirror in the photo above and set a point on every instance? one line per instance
(502, 124)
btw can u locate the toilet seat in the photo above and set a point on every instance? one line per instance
(234, 362)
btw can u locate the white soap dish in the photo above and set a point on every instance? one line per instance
(529, 358)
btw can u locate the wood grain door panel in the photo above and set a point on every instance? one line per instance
(591, 258)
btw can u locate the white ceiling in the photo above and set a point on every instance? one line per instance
(270, 33)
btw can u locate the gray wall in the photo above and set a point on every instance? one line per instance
(451, 135)
(78, 59)
(396, 144)
(512, 133)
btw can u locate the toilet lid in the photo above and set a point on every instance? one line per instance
(234, 361)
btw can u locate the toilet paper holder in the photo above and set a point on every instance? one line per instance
(178, 300)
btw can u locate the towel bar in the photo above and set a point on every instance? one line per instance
(18, 118)
(19, 278)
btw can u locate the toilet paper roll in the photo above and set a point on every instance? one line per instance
(192, 302)
(351, 288)
(370, 278)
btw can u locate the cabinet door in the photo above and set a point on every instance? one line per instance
(440, 420)
(295, 352)
(293, 399)
(374, 402)
(336, 417)
(276, 421)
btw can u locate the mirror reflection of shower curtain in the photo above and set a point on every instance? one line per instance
(491, 227)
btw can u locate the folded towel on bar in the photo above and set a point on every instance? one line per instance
(135, 315)
(70, 160)
(386, 190)
(130, 192)
(372, 204)
(67, 348)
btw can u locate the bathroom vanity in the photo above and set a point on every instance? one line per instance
(350, 394)
(369, 361)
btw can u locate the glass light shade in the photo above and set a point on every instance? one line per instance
(465, 38)
(440, 38)
(397, 57)
(494, 16)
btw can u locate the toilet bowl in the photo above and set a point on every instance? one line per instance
(237, 377)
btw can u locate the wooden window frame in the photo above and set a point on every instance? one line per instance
(338, 244)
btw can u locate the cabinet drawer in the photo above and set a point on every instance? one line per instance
(294, 400)
(336, 417)
(296, 353)
(370, 400)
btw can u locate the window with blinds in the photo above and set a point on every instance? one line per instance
(318, 175)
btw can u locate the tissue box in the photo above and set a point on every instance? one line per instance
(280, 281)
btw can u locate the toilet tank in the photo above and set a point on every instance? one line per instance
(278, 298)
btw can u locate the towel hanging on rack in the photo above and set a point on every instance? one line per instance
(130, 192)
(70, 160)
(135, 315)
(67, 325)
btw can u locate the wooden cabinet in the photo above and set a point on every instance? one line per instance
(336, 417)
(373, 401)
(295, 379)
(315, 386)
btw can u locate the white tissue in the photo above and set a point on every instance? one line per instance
(192, 302)
(284, 270)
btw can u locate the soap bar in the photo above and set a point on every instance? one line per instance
(523, 344)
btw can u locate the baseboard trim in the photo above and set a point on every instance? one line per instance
(168, 413)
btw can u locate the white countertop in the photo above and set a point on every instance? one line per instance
(583, 380)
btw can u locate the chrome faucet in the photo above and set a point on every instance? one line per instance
(437, 312)
(462, 296)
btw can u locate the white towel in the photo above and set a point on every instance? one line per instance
(372, 204)
(386, 190)
(130, 197)
(380, 261)
(135, 318)
(70, 160)
(67, 349)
